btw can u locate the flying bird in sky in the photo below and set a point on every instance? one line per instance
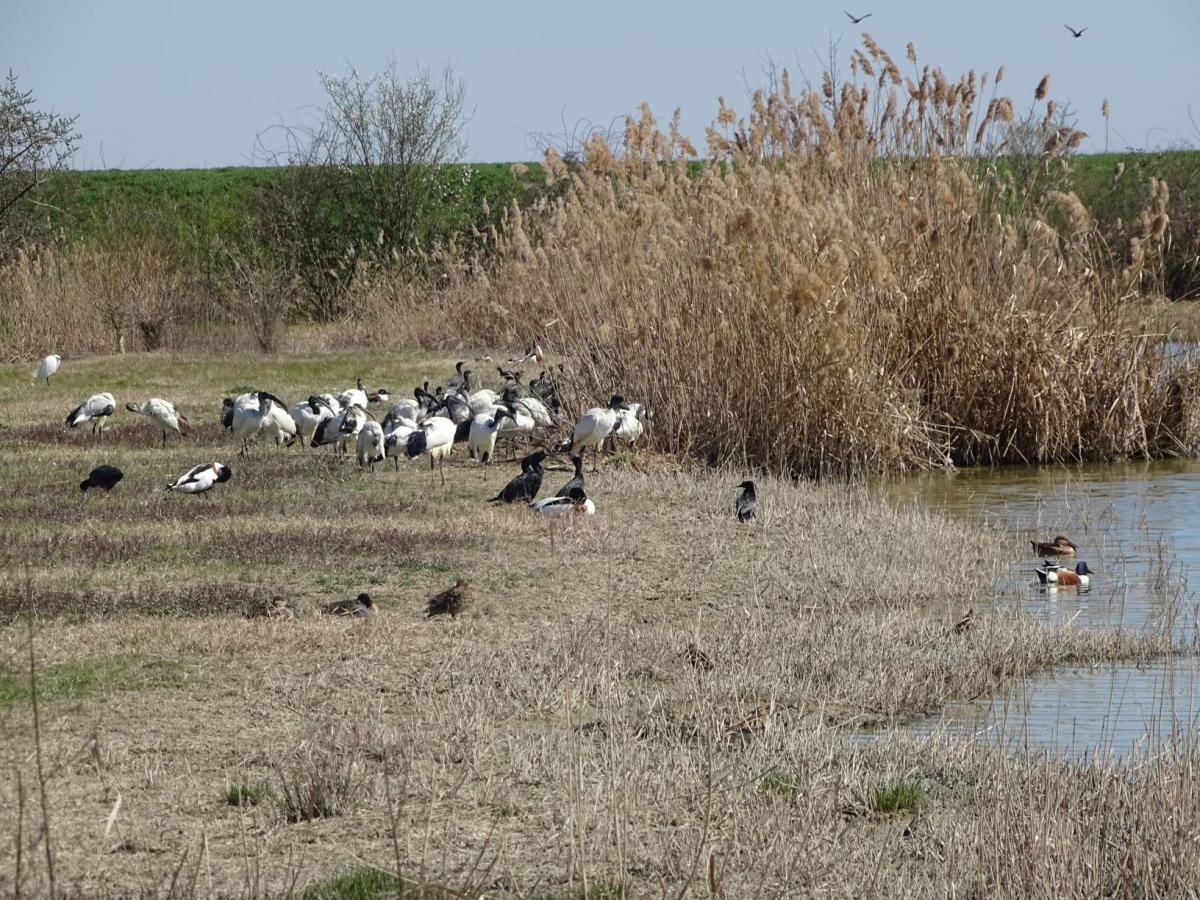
(856, 19)
(1078, 33)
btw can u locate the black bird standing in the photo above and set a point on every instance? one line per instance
(856, 19)
(747, 501)
(1078, 33)
(526, 485)
(102, 477)
(576, 482)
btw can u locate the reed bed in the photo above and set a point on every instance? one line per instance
(849, 281)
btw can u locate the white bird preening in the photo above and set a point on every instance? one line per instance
(163, 413)
(629, 423)
(358, 396)
(199, 479)
(94, 409)
(369, 446)
(258, 411)
(396, 429)
(312, 412)
(594, 426)
(47, 367)
(339, 430)
(481, 441)
(354, 396)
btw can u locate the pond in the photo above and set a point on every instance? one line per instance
(1137, 527)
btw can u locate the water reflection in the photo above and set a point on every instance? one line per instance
(1118, 710)
(1136, 526)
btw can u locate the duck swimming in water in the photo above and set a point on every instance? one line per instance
(1060, 546)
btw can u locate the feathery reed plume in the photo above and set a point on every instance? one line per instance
(1042, 87)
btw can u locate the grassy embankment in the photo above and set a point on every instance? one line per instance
(554, 741)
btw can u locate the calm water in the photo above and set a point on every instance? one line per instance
(1138, 527)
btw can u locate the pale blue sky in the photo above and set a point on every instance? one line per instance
(168, 84)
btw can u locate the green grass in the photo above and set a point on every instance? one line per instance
(785, 784)
(246, 794)
(78, 679)
(358, 884)
(896, 798)
(200, 205)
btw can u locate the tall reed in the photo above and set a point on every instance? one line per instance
(849, 281)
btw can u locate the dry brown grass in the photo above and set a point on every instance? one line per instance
(556, 735)
(847, 284)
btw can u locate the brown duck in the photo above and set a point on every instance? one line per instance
(697, 658)
(452, 601)
(278, 609)
(1060, 546)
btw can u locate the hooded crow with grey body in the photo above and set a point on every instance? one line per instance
(747, 501)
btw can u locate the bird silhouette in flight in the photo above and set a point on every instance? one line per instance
(856, 19)
(1078, 33)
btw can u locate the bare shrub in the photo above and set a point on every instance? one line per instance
(261, 297)
(325, 775)
(33, 145)
(368, 180)
(138, 290)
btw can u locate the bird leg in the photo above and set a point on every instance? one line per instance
(442, 471)
(595, 458)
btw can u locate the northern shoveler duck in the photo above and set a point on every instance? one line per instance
(1060, 546)
(1064, 577)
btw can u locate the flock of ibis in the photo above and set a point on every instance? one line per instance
(430, 423)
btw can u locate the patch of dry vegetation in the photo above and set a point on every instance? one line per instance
(873, 315)
(888, 288)
(559, 735)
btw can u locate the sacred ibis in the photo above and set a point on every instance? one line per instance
(369, 446)
(163, 414)
(94, 409)
(435, 439)
(594, 426)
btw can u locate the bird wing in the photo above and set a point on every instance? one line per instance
(194, 475)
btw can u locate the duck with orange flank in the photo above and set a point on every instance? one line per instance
(1060, 546)
(1065, 577)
